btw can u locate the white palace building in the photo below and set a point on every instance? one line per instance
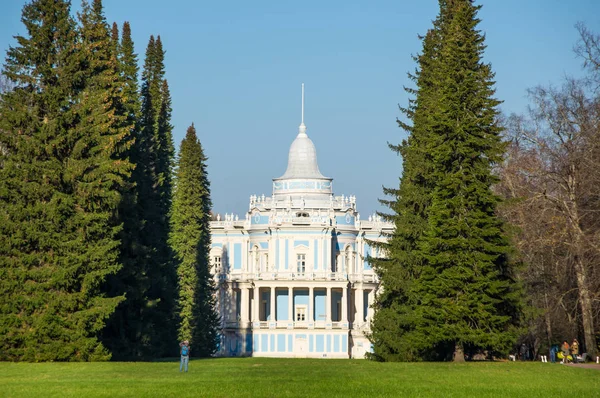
(293, 280)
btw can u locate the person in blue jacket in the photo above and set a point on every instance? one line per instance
(184, 350)
(553, 351)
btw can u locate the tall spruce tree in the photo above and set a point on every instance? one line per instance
(126, 334)
(114, 42)
(459, 291)
(190, 240)
(467, 294)
(155, 161)
(393, 316)
(165, 151)
(60, 186)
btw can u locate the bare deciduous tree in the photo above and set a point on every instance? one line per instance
(554, 168)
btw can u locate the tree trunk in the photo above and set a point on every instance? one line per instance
(459, 354)
(581, 271)
(586, 307)
(548, 320)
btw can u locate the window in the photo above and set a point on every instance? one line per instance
(300, 313)
(264, 311)
(301, 263)
(217, 262)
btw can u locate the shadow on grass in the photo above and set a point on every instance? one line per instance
(176, 359)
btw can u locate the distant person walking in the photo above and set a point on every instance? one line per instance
(184, 350)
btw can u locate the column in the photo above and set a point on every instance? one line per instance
(271, 263)
(318, 249)
(291, 304)
(310, 267)
(255, 307)
(245, 248)
(244, 302)
(273, 318)
(326, 260)
(311, 304)
(370, 300)
(359, 255)
(359, 302)
(345, 304)
(329, 252)
(328, 306)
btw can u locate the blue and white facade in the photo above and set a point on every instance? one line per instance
(293, 280)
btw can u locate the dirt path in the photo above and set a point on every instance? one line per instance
(586, 365)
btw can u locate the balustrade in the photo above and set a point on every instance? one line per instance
(304, 276)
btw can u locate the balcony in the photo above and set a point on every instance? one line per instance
(319, 325)
(299, 276)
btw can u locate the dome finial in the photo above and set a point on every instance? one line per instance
(302, 128)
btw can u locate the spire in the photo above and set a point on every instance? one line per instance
(302, 128)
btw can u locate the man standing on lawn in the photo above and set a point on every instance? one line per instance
(185, 355)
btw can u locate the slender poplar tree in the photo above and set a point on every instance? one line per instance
(190, 240)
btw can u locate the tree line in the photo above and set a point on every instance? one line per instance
(496, 238)
(105, 238)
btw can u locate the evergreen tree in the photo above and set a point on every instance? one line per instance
(60, 186)
(114, 41)
(190, 240)
(154, 192)
(469, 298)
(165, 152)
(409, 204)
(459, 291)
(126, 334)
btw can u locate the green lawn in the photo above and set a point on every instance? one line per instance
(260, 377)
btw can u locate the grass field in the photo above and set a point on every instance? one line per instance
(261, 377)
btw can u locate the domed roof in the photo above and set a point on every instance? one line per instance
(302, 159)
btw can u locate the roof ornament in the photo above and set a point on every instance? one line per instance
(302, 128)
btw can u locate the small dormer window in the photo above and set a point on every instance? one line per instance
(302, 214)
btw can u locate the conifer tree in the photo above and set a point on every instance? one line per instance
(190, 240)
(459, 291)
(468, 296)
(114, 41)
(154, 193)
(60, 186)
(126, 334)
(409, 204)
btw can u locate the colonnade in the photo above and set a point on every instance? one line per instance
(250, 299)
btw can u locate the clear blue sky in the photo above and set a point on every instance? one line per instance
(235, 69)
